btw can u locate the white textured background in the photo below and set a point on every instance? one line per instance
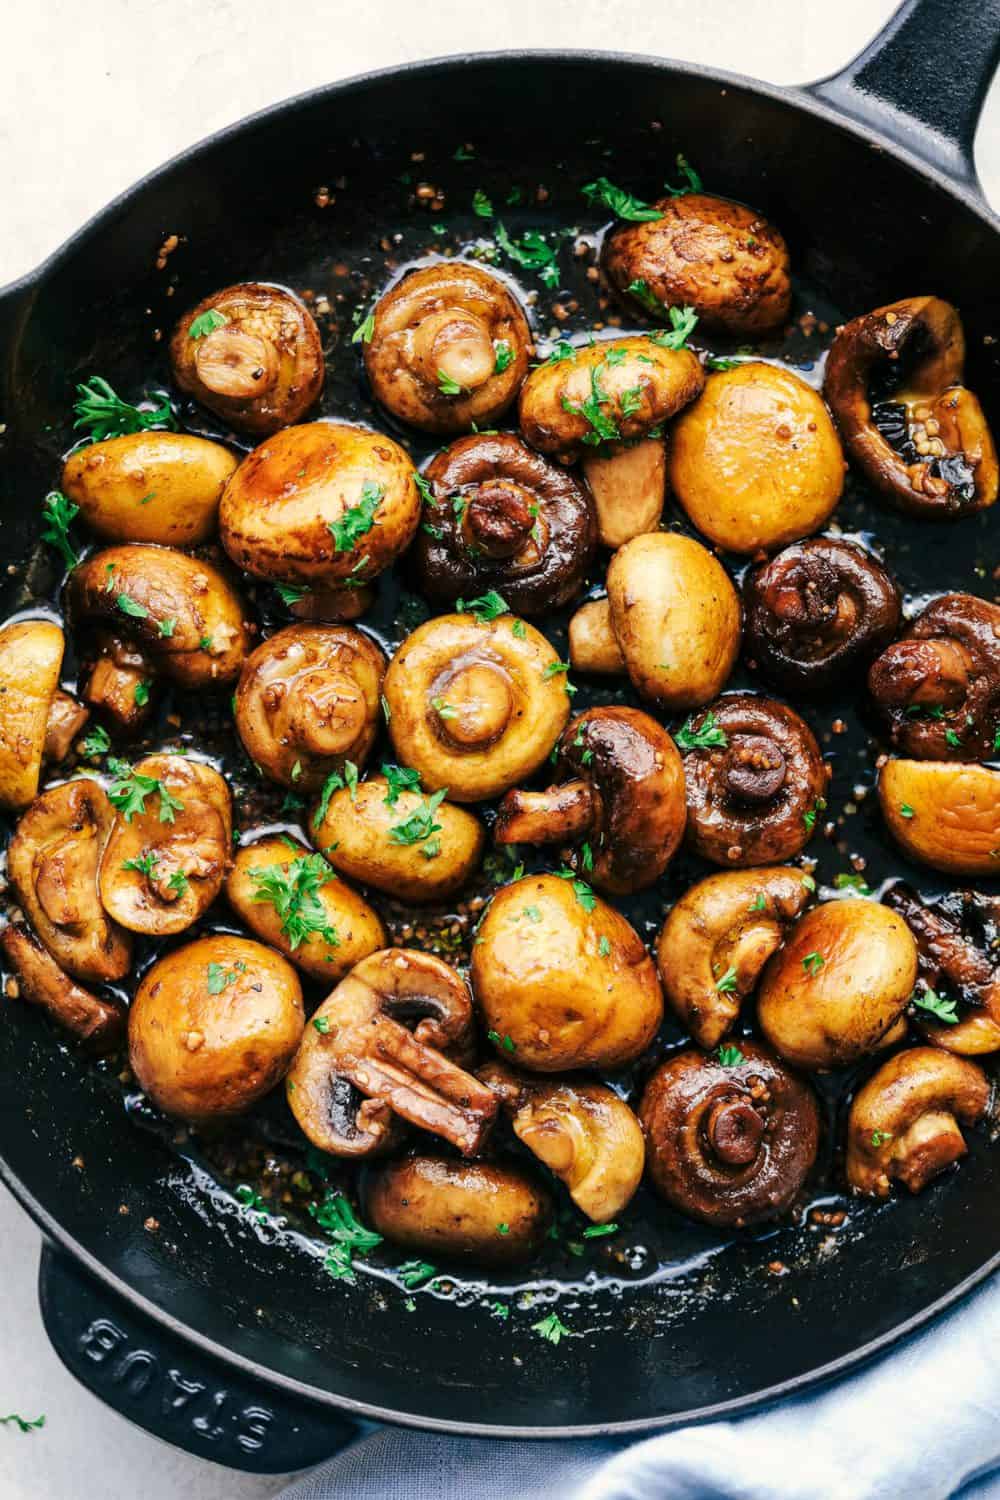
(92, 96)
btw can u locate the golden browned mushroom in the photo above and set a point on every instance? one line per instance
(97, 1022)
(943, 815)
(325, 504)
(37, 719)
(730, 1139)
(839, 986)
(494, 1215)
(414, 847)
(756, 461)
(53, 861)
(957, 955)
(628, 483)
(904, 1121)
(562, 979)
(447, 347)
(583, 1133)
(671, 621)
(716, 941)
(894, 382)
(621, 796)
(378, 1047)
(475, 706)
(169, 848)
(292, 899)
(251, 353)
(214, 1027)
(308, 701)
(160, 487)
(719, 257)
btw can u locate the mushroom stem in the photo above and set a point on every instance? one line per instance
(499, 518)
(930, 673)
(473, 705)
(628, 488)
(593, 645)
(235, 364)
(755, 768)
(932, 1143)
(733, 1131)
(327, 712)
(560, 813)
(66, 718)
(97, 1022)
(456, 344)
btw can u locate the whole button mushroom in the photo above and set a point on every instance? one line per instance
(322, 504)
(716, 940)
(252, 354)
(755, 779)
(839, 986)
(582, 1132)
(817, 612)
(904, 1121)
(475, 705)
(957, 956)
(292, 899)
(756, 461)
(562, 979)
(671, 621)
(894, 383)
(621, 797)
(730, 1139)
(214, 1027)
(169, 849)
(379, 1048)
(308, 701)
(160, 487)
(943, 815)
(497, 516)
(447, 347)
(938, 687)
(37, 719)
(52, 862)
(98, 1023)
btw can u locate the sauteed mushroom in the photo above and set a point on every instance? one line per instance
(730, 1139)
(251, 353)
(95, 1021)
(716, 940)
(448, 348)
(622, 795)
(160, 487)
(37, 719)
(386, 1034)
(497, 516)
(755, 781)
(960, 958)
(308, 701)
(943, 815)
(894, 381)
(904, 1121)
(938, 687)
(495, 1215)
(214, 1026)
(756, 461)
(817, 612)
(628, 483)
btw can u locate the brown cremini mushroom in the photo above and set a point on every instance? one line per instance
(894, 382)
(448, 347)
(97, 1022)
(252, 354)
(37, 719)
(380, 1047)
(730, 1139)
(621, 797)
(755, 778)
(756, 461)
(161, 487)
(481, 1211)
(943, 815)
(498, 516)
(958, 957)
(716, 940)
(308, 701)
(904, 1122)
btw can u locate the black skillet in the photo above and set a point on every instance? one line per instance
(222, 1333)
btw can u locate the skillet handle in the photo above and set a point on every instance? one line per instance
(171, 1388)
(923, 79)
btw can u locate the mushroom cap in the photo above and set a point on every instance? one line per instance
(719, 257)
(259, 370)
(840, 984)
(450, 319)
(161, 487)
(481, 1211)
(52, 861)
(943, 815)
(214, 1026)
(96, 1022)
(320, 503)
(956, 954)
(31, 653)
(308, 700)
(565, 977)
(475, 707)
(756, 461)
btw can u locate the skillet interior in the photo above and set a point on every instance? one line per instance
(711, 1324)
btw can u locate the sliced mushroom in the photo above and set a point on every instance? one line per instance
(160, 487)
(958, 957)
(118, 685)
(97, 1022)
(385, 1033)
(943, 815)
(622, 796)
(494, 1215)
(37, 719)
(593, 645)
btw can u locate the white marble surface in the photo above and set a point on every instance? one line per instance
(91, 98)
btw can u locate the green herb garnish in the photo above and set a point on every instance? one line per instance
(727, 984)
(729, 1056)
(692, 182)
(129, 790)
(293, 891)
(357, 520)
(58, 513)
(708, 736)
(106, 415)
(551, 1328)
(938, 1006)
(487, 607)
(206, 322)
(620, 203)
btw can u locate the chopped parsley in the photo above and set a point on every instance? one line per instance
(604, 947)
(58, 513)
(335, 782)
(581, 890)
(481, 205)
(293, 891)
(400, 779)
(220, 978)
(487, 607)
(103, 414)
(518, 630)
(812, 963)
(532, 252)
(426, 492)
(141, 694)
(504, 356)
(290, 593)
(639, 289)
(692, 182)
(420, 826)
(447, 386)
(879, 1137)
(23, 1424)
(96, 743)
(144, 865)
(906, 810)
(683, 321)
(729, 1056)
(365, 330)
(759, 903)
(359, 519)
(206, 322)
(809, 817)
(131, 608)
(603, 428)
(337, 1219)
(727, 984)
(507, 1043)
(322, 1024)
(708, 736)
(620, 202)
(598, 1231)
(443, 709)
(178, 883)
(551, 1328)
(844, 882)
(129, 790)
(938, 1006)
(414, 1273)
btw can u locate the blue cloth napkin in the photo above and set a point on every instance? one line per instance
(922, 1423)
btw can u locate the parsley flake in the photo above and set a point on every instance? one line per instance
(620, 203)
(293, 890)
(58, 513)
(206, 322)
(357, 520)
(709, 734)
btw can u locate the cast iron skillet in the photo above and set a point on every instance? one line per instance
(222, 1334)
